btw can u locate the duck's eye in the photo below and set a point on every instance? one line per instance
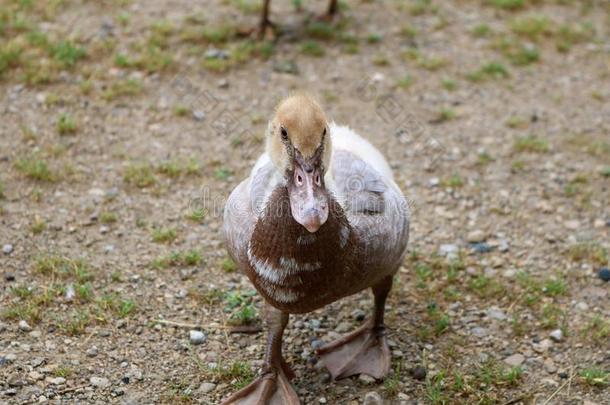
(284, 134)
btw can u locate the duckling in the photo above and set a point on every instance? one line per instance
(266, 22)
(320, 218)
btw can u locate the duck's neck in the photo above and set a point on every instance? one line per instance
(284, 244)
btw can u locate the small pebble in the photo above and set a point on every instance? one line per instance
(7, 249)
(515, 360)
(198, 115)
(207, 387)
(556, 335)
(419, 373)
(366, 379)
(197, 337)
(481, 247)
(604, 274)
(9, 277)
(99, 382)
(24, 326)
(373, 398)
(476, 236)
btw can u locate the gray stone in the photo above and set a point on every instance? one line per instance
(57, 381)
(448, 250)
(198, 115)
(557, 335)
(515, 360)
(99, 382)
(196, 337)
(24, 326)
(207, 387)
(366, 379)
(343, 327)
(496, 313)
(7, 249)
(373, 398)
(476, 236)
(479, 331)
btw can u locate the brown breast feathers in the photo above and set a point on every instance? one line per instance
(297, 271)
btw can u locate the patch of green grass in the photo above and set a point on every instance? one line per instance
(123, 88)
(524, 55)
(164, 235)
(446, 114)
(391, 383)
(588, 251)
(66, 125)
(598, 329)
(238, 374)
(197, 214)
(420, 7)
(595, 377)
(408, 31)
(453, 181)
(67, 53)
(10, 57)
(449, 84)
(485, 287)
(481, 30)
(228, 265)
(424, 274)
(516, 122)
(140, 175)
(531, 144)
(117, 306)
(431, 63)
(174, 168)
(484, 158)
(532, 27)
(405, 82)
(320, 30)
(64, 267)
(510, 5)
(189, 258)
(38, 225)
(552, 316)
(312, 48)
(247, 6)
(491, 70)
(569, 35)
(76, 323)
(35, 168)
(108, 217)
(374, 38)
(218, 34)
(380, 59)
(555, 286)
(63, 371)
(222, 173)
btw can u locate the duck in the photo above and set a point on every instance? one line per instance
(266, 23)
(319, 218)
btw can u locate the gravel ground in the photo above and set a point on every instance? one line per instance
(125, 125)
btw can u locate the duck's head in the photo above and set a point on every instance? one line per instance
(298, 142)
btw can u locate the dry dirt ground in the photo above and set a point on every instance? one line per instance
(126, 123)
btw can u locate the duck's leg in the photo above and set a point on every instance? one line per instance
(364, 351)
(332, 8)
(265, 22)
(272, 387)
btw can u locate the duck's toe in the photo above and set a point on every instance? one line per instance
(364, 351)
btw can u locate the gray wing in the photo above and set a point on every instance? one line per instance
(244, 206)
(375, 207)
(239, 221)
